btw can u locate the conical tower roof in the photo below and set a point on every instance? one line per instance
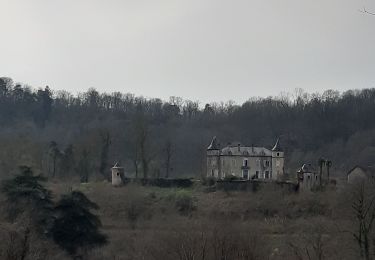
(277, 146)
(117, 166)
(214, 145)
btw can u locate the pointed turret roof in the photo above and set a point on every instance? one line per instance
(117, 166)
(277, 146)
(214, 145)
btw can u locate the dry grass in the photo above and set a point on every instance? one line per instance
(145, 223)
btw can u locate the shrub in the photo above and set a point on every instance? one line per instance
(134, 210)
(166, 183)
(137, 204)
(231, 178)
(208, 181)
(184, 202)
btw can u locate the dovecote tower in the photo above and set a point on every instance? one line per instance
(118, 175)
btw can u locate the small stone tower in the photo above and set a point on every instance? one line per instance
(213, 159)
(277, 161)
(117, 175)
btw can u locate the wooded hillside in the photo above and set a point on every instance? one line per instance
(64, 135)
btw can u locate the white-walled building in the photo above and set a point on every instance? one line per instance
(247, 162)
(118, 175)
(360, 173)
(308, 178)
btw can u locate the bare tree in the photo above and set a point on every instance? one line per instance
(55, 154)
(135, 159)
(328, 165)
(141, 136)
(83, 167)
(321, 163)
(106, 142)
(168, 157)
(311, 244)
(363, 206)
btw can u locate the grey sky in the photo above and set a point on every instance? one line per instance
(208, 50)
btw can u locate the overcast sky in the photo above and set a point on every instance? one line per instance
(207, 50)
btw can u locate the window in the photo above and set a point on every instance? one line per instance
(277, 163)
(245, 174)
(118, 174)
(267, 163)
(212, 173)
(256, 174)
(278, 154)
(267, 175)
(245, 162)
(258, 162)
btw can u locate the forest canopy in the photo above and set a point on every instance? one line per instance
(63, 135)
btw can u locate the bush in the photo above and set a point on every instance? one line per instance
(166, 183)
(231, 178)
(134, 211)
(184, 202)
(137, 205)
(208, 181)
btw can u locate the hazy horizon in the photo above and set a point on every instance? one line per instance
(198, 50)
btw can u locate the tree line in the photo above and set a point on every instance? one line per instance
(65, 135)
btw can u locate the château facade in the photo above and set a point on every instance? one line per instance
(246, 162)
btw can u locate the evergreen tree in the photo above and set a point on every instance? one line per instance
(25, 194)
(75, 228)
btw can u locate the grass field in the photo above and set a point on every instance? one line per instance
(169, 223)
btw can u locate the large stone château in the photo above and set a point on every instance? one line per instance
(247, 162)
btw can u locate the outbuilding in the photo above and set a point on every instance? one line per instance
(360, 173)
(118, 175)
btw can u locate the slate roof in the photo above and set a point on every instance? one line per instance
(237, 149)
(369, 170)
(214, 145)
(306, 168)
(277, 146)
(117, 166)
(246, 151)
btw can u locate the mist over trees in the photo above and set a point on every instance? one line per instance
(64, 135)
